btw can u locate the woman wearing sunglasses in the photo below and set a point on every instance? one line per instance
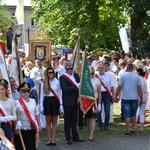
(28, 114)
(51, 104)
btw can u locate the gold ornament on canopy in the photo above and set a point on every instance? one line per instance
(40, 47)
(40, 35)
(99, 52)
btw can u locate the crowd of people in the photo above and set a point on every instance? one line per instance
(46, 92)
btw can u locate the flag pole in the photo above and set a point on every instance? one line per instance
(78, 52)
(19, 65)
(78, 48)
(21, 139)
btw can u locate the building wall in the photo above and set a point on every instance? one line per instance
(27, 29)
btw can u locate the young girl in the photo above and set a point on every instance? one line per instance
(7, 110)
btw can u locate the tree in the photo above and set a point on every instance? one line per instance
(140, 25)
(5, 20)
(95, 21)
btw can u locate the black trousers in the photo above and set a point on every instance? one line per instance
(70, 122)
(7, 130)
(28, 138)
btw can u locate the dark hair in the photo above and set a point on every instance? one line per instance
(130, 67)
(116, 59)
(46, 82)
(4, 83)
(11, 78)
(141, 72)
(107, 63)
(49, 68)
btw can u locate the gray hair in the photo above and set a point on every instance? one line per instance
(68, 64)
(130, 67)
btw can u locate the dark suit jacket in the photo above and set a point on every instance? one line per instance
(70, 92)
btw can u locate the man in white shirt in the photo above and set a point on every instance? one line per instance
(37, 73)
(95, 61)
(107, 89)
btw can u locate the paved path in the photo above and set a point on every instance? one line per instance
(111, 143)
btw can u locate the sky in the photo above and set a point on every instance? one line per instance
(14, 2)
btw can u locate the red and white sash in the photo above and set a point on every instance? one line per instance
(29, 115)
(69, 79)
(94, 107)
(105, 87)
(3, 112)
(53, 92)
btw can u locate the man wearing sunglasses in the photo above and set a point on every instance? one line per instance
(69, 82)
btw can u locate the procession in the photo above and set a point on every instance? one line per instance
(69, 95)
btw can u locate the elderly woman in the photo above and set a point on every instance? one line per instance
(28, 68)
(33, 92)
(7, 110)
(28, 114)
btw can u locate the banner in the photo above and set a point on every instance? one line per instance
(3, 47)
(3, 71)
(86, 94)
(75, 56)
(124, 39)
(20, 12)
(15, 68)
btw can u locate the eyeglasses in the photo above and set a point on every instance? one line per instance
(69, 69)
(51, 72)
(25, 91)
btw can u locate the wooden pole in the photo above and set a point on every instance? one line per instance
(78, 57)
(37, 140)
(21, 139)
(78, 71)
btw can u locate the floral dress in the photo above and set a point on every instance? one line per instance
(3, 146)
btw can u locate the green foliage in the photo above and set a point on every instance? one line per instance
(95, 21)
(5, 20)
(140, 24)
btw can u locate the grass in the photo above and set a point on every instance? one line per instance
(116, 128)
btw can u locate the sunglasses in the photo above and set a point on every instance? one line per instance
(25, 91)
(69, 69)
(51, 72)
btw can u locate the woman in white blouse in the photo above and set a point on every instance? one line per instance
(141, 109)
(51, 104)
(28, 114)
(91, 114)
(7, 110)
